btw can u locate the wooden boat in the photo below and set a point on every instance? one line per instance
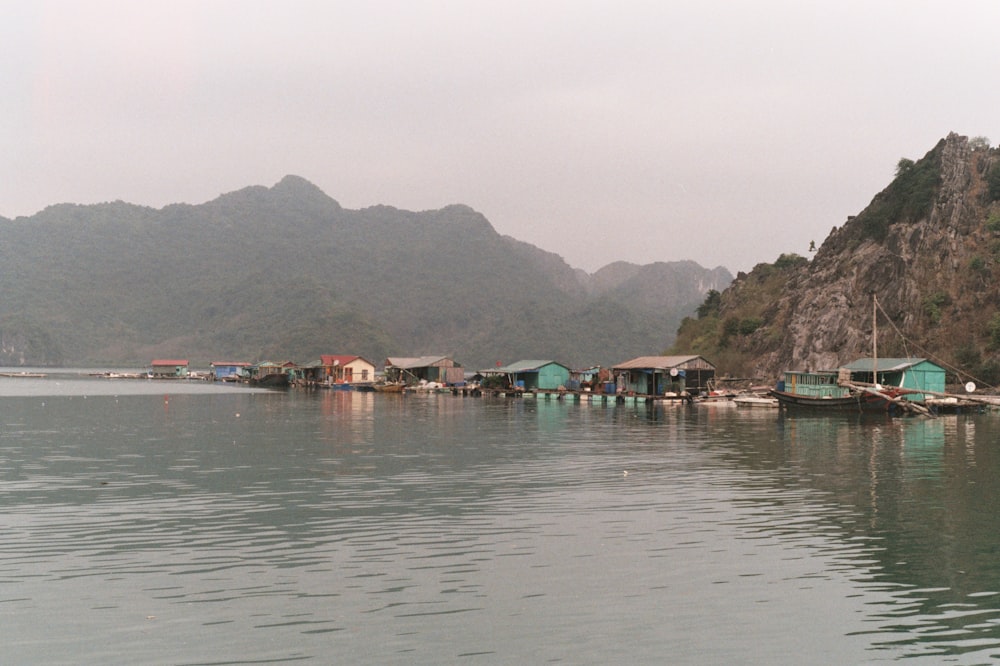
(272, 380)
(846, 399)
(23, 374)
(389, 387)
(863, 385)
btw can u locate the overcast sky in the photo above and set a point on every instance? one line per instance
(722, 132)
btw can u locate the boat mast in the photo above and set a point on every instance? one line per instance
(874, 339)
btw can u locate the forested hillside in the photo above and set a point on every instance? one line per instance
(287, 273)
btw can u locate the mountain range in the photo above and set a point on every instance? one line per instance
(286, 273)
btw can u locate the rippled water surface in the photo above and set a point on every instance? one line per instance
(177, 523)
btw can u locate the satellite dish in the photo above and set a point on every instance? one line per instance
(673, 372)
(970, 387)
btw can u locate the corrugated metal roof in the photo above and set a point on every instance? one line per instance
(660, 362)
(524, 366)
(274, 364)
(419, 362)
(884, 364)
(169, 362)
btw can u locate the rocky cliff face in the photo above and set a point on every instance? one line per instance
(927, 247)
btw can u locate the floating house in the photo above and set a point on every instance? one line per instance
(439, 369)
(270, 373)
(658, 375)
(168, 369)
(533, 375)
(228, 371)
(339, 371)
(913, 374)
(587, 378)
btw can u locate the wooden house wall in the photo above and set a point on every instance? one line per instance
(454, 375)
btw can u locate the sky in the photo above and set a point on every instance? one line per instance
(726, 133)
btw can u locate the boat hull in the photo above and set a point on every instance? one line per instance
(756, 402)
(864, 402)
(275, 380)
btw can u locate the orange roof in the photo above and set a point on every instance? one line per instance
(170, 362)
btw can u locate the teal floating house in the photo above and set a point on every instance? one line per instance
(533, 375)
(915, 374)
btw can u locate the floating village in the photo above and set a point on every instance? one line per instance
(894, 385)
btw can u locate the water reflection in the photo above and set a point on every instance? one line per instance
(335, 526)
(919, 494)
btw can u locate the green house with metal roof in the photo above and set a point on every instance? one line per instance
(533, 375)
(915, 374)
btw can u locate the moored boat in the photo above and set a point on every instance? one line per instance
(846, 399)
(756, 400)
(272, 380)
(389, 387)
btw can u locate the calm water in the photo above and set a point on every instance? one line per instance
(177, 523)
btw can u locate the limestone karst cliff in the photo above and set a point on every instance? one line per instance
(928, 247)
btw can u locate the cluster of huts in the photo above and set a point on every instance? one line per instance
(642, 376)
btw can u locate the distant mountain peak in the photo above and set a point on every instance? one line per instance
(299, 187)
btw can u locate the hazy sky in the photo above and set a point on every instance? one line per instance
(722, 132)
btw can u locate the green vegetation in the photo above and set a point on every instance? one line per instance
(731, 325)
(749, 325)
(993, 223)
(909, 197)
(286, 274)
(993, 181)
(711, 304)
(790, 260)
(933, 304)
(993, 331)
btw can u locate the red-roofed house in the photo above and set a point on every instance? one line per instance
(340, 371)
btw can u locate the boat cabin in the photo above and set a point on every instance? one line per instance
(819, 384)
